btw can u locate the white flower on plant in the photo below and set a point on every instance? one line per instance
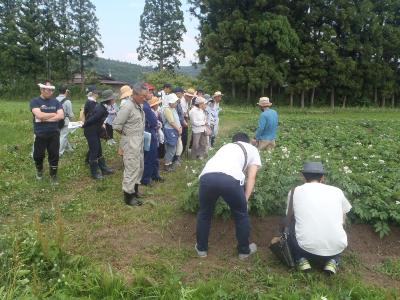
(359, 143)
(397, 202)
(326, 160)
(317, 156)
(372, 156)
(381, 161)
(365, 164)
(328, 153)
(324, 298)
(189, 184)
(355, 157)
(370, 146)
(284, 149)
(193, 171)
(347, 170)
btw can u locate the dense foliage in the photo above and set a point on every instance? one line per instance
(161, 33)
(362, 158)
(331, 52)
(42, 40)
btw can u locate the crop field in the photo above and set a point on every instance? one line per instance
(79, 241)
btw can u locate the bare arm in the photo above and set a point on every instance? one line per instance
(251, 180)
(58, 116)
(42, 116)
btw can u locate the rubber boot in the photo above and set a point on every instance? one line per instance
(131, 200)
(103, 167)
(94, 170)
(53, 175)
(39, 171)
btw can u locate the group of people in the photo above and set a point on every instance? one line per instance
(154, 125)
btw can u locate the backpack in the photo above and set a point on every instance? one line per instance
(61, 123)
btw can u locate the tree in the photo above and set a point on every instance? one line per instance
(161, 33)
(86, 33)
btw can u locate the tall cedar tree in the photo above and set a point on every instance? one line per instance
(86, 33)
(162, 30)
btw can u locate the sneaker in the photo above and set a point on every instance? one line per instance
(253, 249)
(39, 175)
(200, 254)
(303, 264)
(331, 267)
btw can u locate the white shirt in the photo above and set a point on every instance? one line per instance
(198, 119)
(164, 98)
(229, 160)
(318, 210)
(184, 106)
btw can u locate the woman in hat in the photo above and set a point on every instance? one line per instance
(93, 127)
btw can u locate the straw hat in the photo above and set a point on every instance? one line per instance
(154, 101)
(190, 92)
(264, 101)
(125, 91)
(217, 93)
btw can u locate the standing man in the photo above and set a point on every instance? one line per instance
(319, 212)
(186, 102)
(130, 122)
(224, 176)
(215, 110)
(267, 125)
(47, 112)
(65, 101)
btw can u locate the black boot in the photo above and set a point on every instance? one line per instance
(53, 175)
(94, 170)
(131, 200)
(103, 167)
(39, 171)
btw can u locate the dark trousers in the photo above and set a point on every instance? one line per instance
(51, 143)
(109, 132)
(212, 186)
(298, 252)
(151, 163)
(95, 150)
(184, 138)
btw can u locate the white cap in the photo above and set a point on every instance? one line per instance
(172, 98)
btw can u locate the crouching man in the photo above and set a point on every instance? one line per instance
(224, 176)
(316, 220)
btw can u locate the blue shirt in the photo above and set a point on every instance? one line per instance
(267, 125)
(46, 106)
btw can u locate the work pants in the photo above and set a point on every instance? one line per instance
(213, 186)
(151, 163)
(49, 142)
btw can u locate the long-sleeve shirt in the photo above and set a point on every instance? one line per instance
(67, 107)
(197, 119)
(112, 113)
(267, 125)
(151, 121)
(96, 119)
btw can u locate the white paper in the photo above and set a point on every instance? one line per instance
(74, 125)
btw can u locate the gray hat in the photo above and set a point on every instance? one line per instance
(313, 167)
(107, 95)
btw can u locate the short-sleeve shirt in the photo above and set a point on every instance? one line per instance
(230, 160)
(318, 210)
(46, 106)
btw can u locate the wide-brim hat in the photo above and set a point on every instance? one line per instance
(154, 101)
(313, 167)
(208, 98)
(264, 101)
(107, 95)
(217, 93)
(190, 92)
(125, 91)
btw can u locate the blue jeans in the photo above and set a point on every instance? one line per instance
(213, 186)
(298, 252)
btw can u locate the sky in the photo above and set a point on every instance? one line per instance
(120, 30)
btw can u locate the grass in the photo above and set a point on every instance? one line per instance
(78, 241)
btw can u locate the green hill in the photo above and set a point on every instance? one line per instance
(131, 73)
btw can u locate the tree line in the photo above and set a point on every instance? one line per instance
(339, 52)
(45, 40)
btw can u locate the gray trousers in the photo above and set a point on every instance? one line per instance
(199, 146)
(64, 143)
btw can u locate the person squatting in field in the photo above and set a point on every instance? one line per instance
(47, 112)
(316, 220)
(224, 176)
